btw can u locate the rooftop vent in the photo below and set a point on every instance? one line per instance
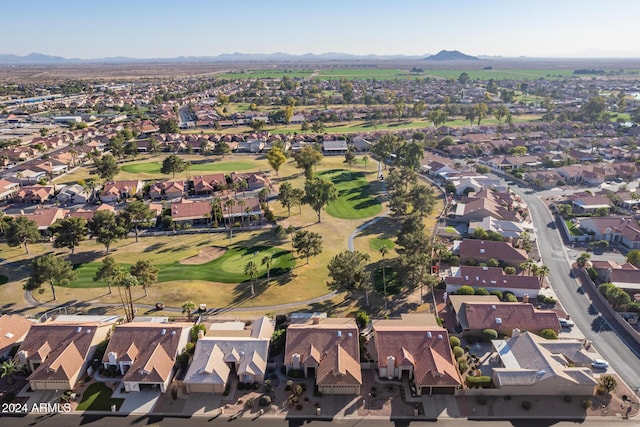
(429, 334)
(485, 268)
(499, 320)
(339, 334)
(79, 329)
(162, 332)
(493, 307)
(440, 336)
(482, 250)
(173, 332)
(349, 334)
(8, 335)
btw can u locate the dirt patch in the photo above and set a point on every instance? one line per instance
(205, 255)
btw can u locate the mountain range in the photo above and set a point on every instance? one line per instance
(42, 59)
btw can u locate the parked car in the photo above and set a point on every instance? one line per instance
(600, 364)
(567, 323)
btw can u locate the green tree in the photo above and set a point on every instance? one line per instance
(145, 272)
(594, 109)
(633, 257)
(306, 158)
(69, 232)
(268, 262)
(251, 270)
(307, 243)
(126, 281)
(22, 231)
(276, 158)
(137, 214)
(285, 196)
(387, 144)
(464, 78)
(257, 125)
(9, 368)
(481, 110)
(582, 259)
(50, 269)
(221, 149)
(172, 164)
(362, 319)
(107, 167)
(187, 308)
(104, 227)
(608, 382)
(422, 199)
(288, 113)
(348, 271)
(168, 126)
(107, 271)
(318, 193)
(500, 113)
(349, 157)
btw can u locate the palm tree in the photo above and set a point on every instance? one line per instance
(207, 217)
(243, 185)
(241, 204)
(228, 205)
(383, 252)
(9, 367)
(527, 265)
(187, 307)
(365, 160)
(251, 270)
(268, 261)
(263, 196)
(543, 271)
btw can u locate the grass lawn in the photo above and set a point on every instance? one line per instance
(376, 244)
(97, 397)
(573, 230)
(355, 198)
(229, 268)
(154, 167)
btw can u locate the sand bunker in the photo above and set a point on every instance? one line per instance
(205, 255)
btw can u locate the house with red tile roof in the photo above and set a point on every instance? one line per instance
(625, 276)
(167, 189)
(613, 229)
(45, 217)
(8, 189)
(13, 330)
(36, 193)
(144, 353)
(119, 190)
(484, 250)
(190, 211)
(418, 350)
(328, 350)
(208, 184)
(504, 317)
(492, 279)
(57, 354)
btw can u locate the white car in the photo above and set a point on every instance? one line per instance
(600, 364)
(567, 323)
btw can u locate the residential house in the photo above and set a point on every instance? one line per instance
(613, 229)
(36, 193)
(475, 315)
(334, 147)
(411, 347)
(191, 211)
(88, 211)
(586, 203)
(75, 193)
(208, 184)
(45, 217)
(532, 367)
(361, 145)
(8, 189)
(492, 279)
(625, 276)
(484, 250)
(505, 228)
(167, 190)
(13, 330)
(254, 181)
(230, 347)
(120, 190)
(57, 354)
(327, 349)
(144, 353)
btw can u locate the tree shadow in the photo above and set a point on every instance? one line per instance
(599, 324)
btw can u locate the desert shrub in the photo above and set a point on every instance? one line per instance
(362, 319)
(465, 290)
(195, 329)
(496, 293)
(462, 367)
(509, 297)
(265, 401)
(549, 334)
(481, 291)
(249, 403)
(586, 403)
(458, 351)
(189, 348)
(482, 381)
(601, 389)
(509, 270)
(454, 342)
(540, 298)
(490, 334)
(526, 405)
(550, 301)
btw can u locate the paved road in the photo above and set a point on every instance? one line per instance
(587, 316)
(72, 420)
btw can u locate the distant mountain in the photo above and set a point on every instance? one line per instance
(450, 55)
(39, 58)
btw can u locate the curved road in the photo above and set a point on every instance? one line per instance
(611, 341)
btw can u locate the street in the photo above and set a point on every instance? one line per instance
(611, 341)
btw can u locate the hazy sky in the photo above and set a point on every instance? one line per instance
(162, 28)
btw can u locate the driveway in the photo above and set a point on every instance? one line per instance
(138, 402)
